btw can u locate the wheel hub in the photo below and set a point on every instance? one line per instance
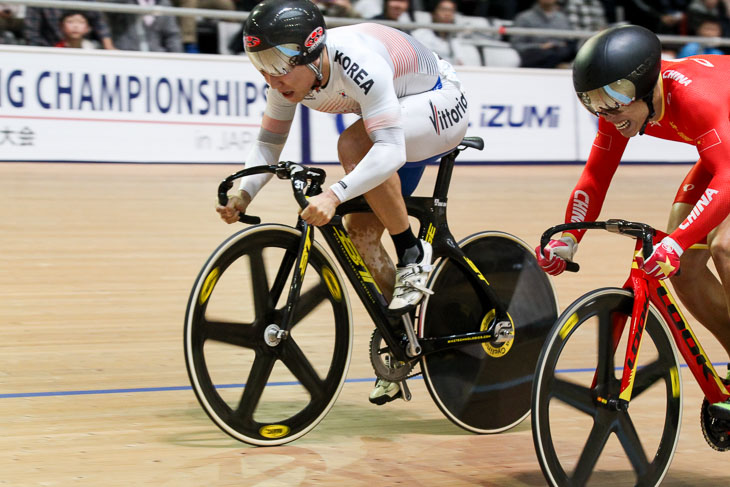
(273, 335)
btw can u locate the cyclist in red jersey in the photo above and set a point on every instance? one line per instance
(619, 76)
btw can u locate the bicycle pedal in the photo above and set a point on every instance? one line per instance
(397, 314)
(405, 391)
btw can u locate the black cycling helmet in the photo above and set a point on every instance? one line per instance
(281, 34)
(616, 67)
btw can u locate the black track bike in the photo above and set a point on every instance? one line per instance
(268, 327)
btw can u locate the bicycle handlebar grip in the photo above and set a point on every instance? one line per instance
(250, 219)
(243, 218)
(298, 183)
(572, 266)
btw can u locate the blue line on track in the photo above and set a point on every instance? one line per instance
(224, 386)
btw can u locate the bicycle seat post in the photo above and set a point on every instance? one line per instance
(443, 179)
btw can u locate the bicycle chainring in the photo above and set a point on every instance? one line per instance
(384, 364)
(716, 431)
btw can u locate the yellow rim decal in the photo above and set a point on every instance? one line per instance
(568, 326)
(274, 431)
(331, 281)
(675, 381)
(505, 347)
(209, 284)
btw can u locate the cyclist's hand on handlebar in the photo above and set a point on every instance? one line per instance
(556, 253)
(237, 204)
(664, 261)
(320, 208)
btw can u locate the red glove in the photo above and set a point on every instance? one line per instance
(664, 261)
(556, 252)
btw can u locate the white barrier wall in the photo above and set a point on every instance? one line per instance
(80, 105)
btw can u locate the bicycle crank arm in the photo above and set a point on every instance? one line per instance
(406, 392)
(414, 348)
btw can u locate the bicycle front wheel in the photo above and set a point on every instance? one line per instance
(259, 385)
(479, 387)
(581, 440)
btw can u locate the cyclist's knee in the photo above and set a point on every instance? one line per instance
(720, 248)
(352, 146)
(364, 226)
(692, 265)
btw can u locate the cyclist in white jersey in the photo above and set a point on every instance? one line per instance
(412, 111)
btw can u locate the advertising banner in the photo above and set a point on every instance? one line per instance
(119, 106)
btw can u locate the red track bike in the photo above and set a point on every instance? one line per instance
(633, 334)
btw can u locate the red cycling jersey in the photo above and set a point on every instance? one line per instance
(695, 110)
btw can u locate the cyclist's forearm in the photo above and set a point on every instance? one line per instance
(266, 150)
(261, 154)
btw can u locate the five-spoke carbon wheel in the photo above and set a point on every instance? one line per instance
(260, 384)
(580, 438)
(480, 387)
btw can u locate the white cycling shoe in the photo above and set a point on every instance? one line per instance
(385, 391)
(410, 281)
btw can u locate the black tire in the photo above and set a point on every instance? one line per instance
(479, 388)
(259, 393)
(579, 441)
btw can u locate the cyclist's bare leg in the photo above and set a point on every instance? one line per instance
(708, 302)
(366, 230)
(719, 243)
(387, 204)
(386, 200)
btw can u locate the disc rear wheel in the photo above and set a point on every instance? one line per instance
(481, 387)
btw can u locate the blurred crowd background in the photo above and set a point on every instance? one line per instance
(478, 42)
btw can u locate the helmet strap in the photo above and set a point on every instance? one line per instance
(649, 99)
(317, 70)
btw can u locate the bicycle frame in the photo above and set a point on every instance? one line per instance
(647, 289)
(431, 213)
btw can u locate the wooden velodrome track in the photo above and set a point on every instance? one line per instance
(96, 263)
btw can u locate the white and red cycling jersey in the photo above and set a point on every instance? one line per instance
(695, 110)
(411, 103)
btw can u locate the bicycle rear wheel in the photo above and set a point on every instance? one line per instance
(579, 440)
(258, 387)
(481, 388)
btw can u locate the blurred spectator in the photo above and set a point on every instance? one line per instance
(396, 10)
(42, 27)
(368, 9)
(145, 32)
(699, 10)
(246, 5)
(659, 16)
(586, 14)
(74, 29)
(189, 25)
(542, 51)
(11, 25)
(448, 45)
(709, 27)
(500, 9)
(337, 8)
